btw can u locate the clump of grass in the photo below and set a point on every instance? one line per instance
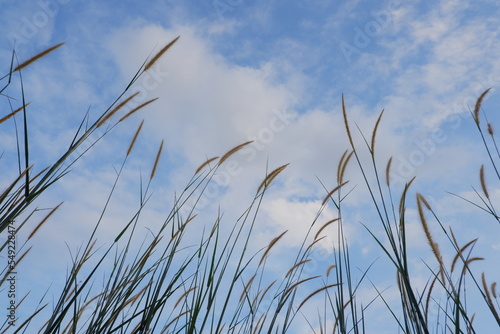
(172, 284)
(13, 201)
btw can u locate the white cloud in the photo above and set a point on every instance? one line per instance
(206, 104)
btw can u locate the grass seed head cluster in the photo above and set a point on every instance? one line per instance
(219, 286)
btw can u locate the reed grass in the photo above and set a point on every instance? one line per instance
(168, 283)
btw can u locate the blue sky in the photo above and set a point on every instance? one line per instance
(272, 72)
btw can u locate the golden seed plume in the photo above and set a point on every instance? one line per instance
(271, 244)
(184, 295)
(454, 240)
(344, 167)
(423, 220)
(136, 109)
(179, 231)
(43, 221)
(82, 309)
(136, 328)
(460, 252)
(135, 297)
(330, 269)
(260, 321)
(434, 245)
(159, 54)
(156, 161)
(494, 289)
(135, 138)
(483, 183)
(403, 289)
(403, 196)
(346, 122)
(477, 107)
(13, 113)
(204, 164)
(296, 265)
(490, 129)
(488, 296)
(422, 198)
(146, 256)
(374, 133)
(245, 288)
(324, 226)
(233, 150)
(270, 177)
(293, 286)
(36, 57)
(85, 257)
(315, 242)
(39, 174)
(388, 172)
(469, 261)
(39, 309)
(115, 109)
(18, 260)
(316, 292)
(266, 291)
(221, 330)
(191, 218)
(429, 294)
(332, 192)
(339, 167)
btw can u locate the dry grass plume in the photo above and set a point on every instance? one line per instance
(477, 107)
(153, 60)
(156, 161)
(115, 109)
(233, 151)
(36, 57)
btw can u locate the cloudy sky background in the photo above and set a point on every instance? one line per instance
(267, 71)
